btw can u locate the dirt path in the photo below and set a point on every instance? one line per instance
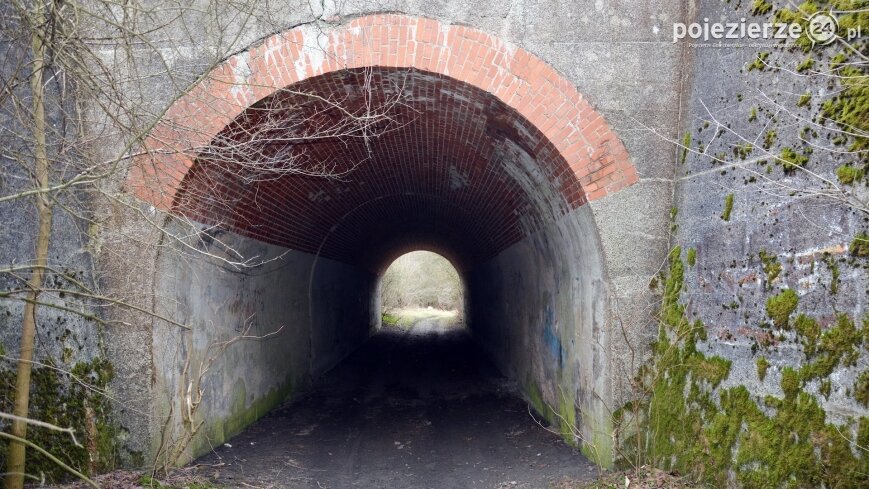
(415, 408)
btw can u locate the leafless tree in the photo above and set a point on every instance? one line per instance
(75, 75)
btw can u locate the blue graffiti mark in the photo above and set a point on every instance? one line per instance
(550, 335)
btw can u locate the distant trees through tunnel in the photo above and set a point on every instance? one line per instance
(421, 285)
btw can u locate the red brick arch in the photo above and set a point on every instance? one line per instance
(517, 78)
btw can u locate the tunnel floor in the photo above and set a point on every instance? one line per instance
(413, 408)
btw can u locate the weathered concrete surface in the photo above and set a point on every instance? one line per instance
(773, 211)
(295, 316)
(540, 311)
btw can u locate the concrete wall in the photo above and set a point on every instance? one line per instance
(540, 310)
(298, 324)
(773, 211)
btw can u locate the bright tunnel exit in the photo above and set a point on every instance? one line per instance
(421, 289)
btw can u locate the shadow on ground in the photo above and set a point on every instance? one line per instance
(415, 407)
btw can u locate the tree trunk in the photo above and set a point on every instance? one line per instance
(15, 464)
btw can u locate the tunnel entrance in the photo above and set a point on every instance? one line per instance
(482, 154)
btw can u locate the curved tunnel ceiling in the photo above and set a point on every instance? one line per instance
(446, 167)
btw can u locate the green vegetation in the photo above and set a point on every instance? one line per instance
(390, 319)
(686, 143)
(743, 150)
(759, 62)
(804, 99)
(407, 317)
(848, 175)
(761, 7)
(806, 64)
(769, 138)
(809, 330)
(791, 160)
(771, 267)
(752, 114)
(785, 443)
(57, 399)
(861, 388)
(849, 109)
(837, 346)
(762, 364)
(728, 207)
(860, 245)
(779, 307)
(691, 256)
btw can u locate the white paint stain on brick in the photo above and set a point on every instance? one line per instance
(315, 45)
(241, 73)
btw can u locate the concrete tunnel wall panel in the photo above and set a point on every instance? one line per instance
(539, 309)
(305, 328)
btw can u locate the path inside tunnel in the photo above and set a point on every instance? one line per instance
(414, 407)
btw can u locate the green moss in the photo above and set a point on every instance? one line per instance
(791, 160)
(743, 151)
(804, 99)
(728, 207)
(779, 307)
(769, 139)
(56, 399)
(800, 17)
(809, 331)
(731, 440)
(790, 383)
(825, 387)
(759, 62)
(686, 143)
(752, 114)
(806, 64)
(761, 7)
(849, 109)
(861, 388)
(762, 364)
(691, 256)
(860, 245)
(838, 346)
(243, 413)
(771, 267)
(848, 174)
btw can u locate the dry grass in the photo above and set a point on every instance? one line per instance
(407, 317)
(127, 479)
(643, 478)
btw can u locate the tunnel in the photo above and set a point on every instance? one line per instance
(325, 174)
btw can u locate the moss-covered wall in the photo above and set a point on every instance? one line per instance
(758, 376)
(68, 398)
(729, 434)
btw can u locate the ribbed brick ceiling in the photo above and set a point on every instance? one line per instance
(452, 169)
